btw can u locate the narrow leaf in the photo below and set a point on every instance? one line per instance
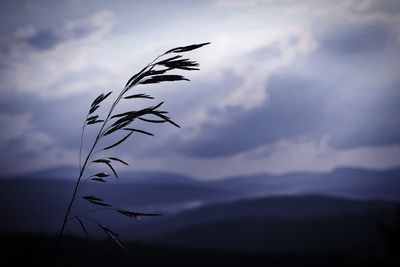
(131, 80)
(139, 131)
(99, 203)
(119, 160)
(112, 169)
(101, 161)
(92, 198)
(106, 229)
(115, 241)
(121, 124)
(152, 121)
(156, 72)
(93, 109)
(107, 162)
(96, 200)
(184, 64)
(173, 123)
(137, 215)
(117, 127)
(94, 121)
(165, 118)
(164, 78)
(101, 174)
(96, 101)
(186, 48)
(119, 142)
(139, 96)
(162, 62)
(83, 226)
(98, 180)
(124, 114)
(157, 106)
(109, 93)
(92, 118)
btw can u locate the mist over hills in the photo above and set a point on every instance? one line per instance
(292, 212)
(350, 182)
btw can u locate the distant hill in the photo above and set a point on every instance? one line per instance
(350, 182)
(340, 199)
(36, 204)
(278, 224)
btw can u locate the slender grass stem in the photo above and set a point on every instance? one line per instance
(145, 76)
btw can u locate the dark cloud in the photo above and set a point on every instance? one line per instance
(354, 39)
(293, 108)
(381, 6)
(370, 118)
(48, 39)
(45, 40)
(306, 109)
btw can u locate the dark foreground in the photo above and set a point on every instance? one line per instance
(38, 250)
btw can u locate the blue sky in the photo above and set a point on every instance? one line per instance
(284, 86)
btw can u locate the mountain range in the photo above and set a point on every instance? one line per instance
(293, 212)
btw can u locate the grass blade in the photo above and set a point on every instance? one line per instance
(101, 174)
(83, 226)
(119, 142)
(98, 180)
(112, 169)
(119, 160)
(99, 203)
(186, 48)
(107, 162)
(116, 241)
(164, 78)
(139, 96)
(137, 215)
(92, 198)
(139, 131)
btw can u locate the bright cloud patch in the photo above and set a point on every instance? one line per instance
(28, 148)
(53, 62)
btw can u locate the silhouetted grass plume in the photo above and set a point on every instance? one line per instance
(157, 71)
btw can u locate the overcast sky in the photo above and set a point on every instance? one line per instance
(284, 86)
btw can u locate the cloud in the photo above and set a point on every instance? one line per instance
(88, 28)
(278, 76)
(378, 7)
(24, 147)
(306, 107)
(249, 61)
(286, 48)
(276, 158)
(236, 3)
(279, 35)
(359, 38)
(338, 89)
(51, 62)
(283, 116)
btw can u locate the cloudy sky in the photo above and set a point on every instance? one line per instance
(284, 86)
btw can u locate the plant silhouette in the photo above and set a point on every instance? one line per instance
(156, 71)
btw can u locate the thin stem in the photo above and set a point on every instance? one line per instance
(81, 143)
(82, 171)
(98, 137)
(77, 184)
